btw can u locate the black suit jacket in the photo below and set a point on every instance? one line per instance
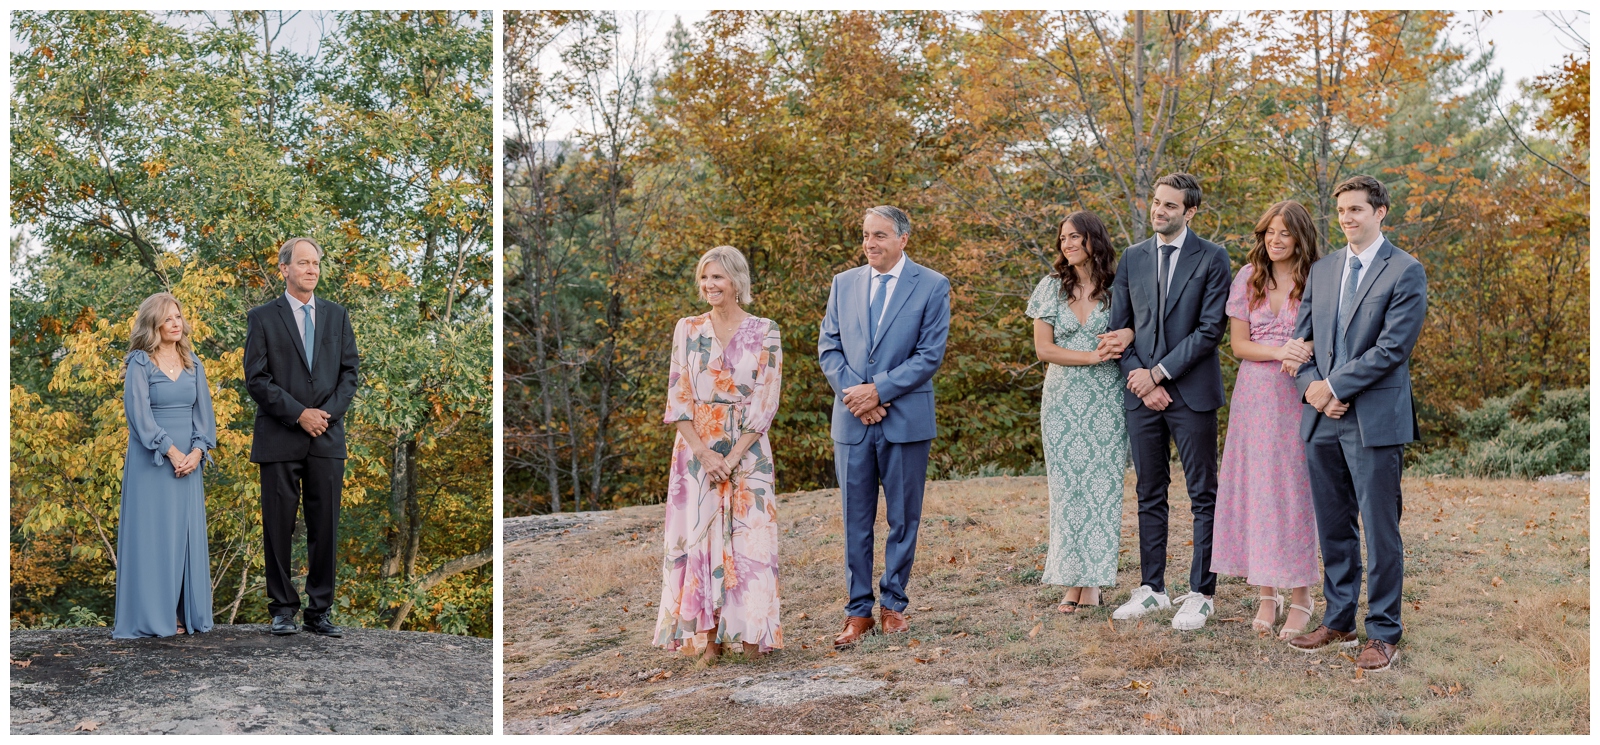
(275, 374)
(1195, 313)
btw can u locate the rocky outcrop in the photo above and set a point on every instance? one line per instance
(243, 680)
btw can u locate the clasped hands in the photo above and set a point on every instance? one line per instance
(718, 468)
(184, 464)
(314, 421)
(1320, 396)
(1141, 381)
(862, 401)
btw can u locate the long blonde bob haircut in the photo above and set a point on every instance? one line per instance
(146, 334)
(734, 264)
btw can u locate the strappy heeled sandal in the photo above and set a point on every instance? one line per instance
(1265, 627)
(1288, 633)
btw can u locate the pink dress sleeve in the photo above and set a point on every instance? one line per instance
(680, 382)
(762, 405)
(1239, 295)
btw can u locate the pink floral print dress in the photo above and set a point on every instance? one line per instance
(719, 578)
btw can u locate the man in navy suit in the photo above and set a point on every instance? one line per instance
(300, 367)
(1362, 309)
(1171, 293)
(880, 343)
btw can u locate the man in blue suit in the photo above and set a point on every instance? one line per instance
(880, 343)
(1362, 309)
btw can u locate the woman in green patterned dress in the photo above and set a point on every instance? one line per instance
(1085, 432)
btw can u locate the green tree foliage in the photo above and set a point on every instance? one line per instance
(175, 153)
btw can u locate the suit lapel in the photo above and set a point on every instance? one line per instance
(294, 331)
(1380, 260)
(1188, 259)
(861, 292)
(1325, 311)
(897, 300)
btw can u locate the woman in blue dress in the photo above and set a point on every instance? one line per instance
(163, 564)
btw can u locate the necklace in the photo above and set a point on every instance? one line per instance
(168, 367)
(734, 326)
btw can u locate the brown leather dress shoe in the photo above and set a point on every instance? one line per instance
(1323, 637)
(894, 622)
(855, 627)
(1377, 655)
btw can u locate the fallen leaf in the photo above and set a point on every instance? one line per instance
(1137, 685)
(925, 608)
(802, 617)
(22, 663)
(619, 654)
(966, 707)
(86, 726)
(1232, 619)
(594, 629)
(624, 609)
(831, 654)
(1036, 629)
(958, 636)
(892, 649)
(914, 643)
(921, 660)
(1496, 582)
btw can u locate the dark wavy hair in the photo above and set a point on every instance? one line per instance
(1102, 260)
(1306, 250)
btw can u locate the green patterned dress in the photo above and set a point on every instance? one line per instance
(1085, 447)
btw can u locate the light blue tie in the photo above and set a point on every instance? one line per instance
(1347, 308)
(876, 307)
(311, 332)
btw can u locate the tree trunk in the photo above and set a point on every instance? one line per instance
(443, 572)
(402, 499)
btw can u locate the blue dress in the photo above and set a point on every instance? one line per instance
(163, 564)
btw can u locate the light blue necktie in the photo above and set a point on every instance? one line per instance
(876, 307)
(311, 332)
(1347, 308)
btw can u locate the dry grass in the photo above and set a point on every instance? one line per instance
(1497, 629)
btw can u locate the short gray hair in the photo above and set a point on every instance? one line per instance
(901, 220)
(286, 251)
(734, 264)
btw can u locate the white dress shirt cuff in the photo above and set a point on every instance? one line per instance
(1164, 374)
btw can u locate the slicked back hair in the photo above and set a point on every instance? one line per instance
(1377, 194)
(1189, 185)
(286, 251)
(901, 220)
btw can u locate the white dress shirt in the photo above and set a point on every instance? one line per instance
(1366, 255)
(888, 287)
(1172, 262)
(299, 315)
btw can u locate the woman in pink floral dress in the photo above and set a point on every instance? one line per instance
(1266, 530)
(720, 575)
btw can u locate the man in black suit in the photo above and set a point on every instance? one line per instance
(300, 366)
(1169, 299)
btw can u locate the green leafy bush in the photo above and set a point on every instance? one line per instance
(1510, 437)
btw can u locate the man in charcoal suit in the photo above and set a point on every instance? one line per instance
(300, 366)
(1168, 311)
(880, 343)
(1362, 309)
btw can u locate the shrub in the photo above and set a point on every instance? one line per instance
(1506, 437)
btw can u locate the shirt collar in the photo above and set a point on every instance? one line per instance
(294, 304)
(894, 271)
(1183, 235)
(1365, 251)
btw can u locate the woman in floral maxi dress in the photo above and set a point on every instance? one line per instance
(1266, 529)
(720, 572)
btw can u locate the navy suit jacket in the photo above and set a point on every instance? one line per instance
(1195, 313)
(902, 359)
(276, 376)
(1391, 302)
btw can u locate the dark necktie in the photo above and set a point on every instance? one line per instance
(1347, 308)
(875, 309)
(1161, 297)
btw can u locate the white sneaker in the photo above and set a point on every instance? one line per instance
(1143, 601)
(1193, 613)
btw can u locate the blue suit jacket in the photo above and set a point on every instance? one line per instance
(1391, 302)
(902, 359)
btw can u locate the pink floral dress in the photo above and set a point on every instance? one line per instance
(719, 579)
(1266, 529)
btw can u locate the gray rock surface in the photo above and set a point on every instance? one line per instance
(242, 680)
(534, 526)
(795, 686)
(1567, 478)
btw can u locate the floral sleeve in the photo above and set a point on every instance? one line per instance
(680, 382)
(1239, 296)
(1044, 303)
(763, 401)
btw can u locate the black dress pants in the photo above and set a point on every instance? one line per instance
(315, 483)
(1195, 433)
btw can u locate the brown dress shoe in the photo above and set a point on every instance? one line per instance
(894, 622)
(1377, 655)
(855, 627)
(1323, 637)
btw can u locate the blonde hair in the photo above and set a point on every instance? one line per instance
(734, 264)
(146, 334)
